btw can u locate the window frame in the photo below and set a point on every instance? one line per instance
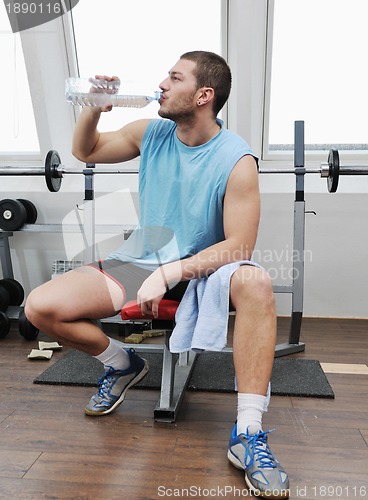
(315, 156)
(50, 57)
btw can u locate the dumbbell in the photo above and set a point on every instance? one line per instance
(11, 294)
(26, 329)
(4, 325)
(15, 213)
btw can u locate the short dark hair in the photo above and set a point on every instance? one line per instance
(211, 71)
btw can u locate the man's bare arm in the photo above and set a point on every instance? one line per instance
(91, 146)
(241, 220)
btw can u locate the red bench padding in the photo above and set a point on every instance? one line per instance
(166, 310)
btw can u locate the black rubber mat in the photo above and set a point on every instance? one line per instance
(213, 371)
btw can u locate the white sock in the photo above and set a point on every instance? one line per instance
(114, 356)
(250, 411)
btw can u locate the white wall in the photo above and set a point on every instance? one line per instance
(336, 238)
(336, 242)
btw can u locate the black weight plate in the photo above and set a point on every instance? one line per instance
(4, 325)
(30, 209)
(12, 215)
(14, 290)
(334, 170)
(26, 329)
(53, 177)
(4, 299)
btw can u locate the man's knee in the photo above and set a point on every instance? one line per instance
(31, 306)
(251, 282)
(37, 306)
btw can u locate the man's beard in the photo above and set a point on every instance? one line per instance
(183, 114)
(182, 117)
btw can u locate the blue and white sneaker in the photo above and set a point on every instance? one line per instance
(264, 475)
(114, 384)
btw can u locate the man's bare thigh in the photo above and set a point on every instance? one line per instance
(82, 293)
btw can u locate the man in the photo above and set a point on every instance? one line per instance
(199, 210)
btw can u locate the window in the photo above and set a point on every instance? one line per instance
(317, 73)
(139, 41)
(17, 125)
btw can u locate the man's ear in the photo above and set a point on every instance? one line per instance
(206, 95)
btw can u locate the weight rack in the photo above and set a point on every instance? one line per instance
(296, 288)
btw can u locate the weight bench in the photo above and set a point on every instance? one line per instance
(176, 369)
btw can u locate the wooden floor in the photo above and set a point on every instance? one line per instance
(50, 449)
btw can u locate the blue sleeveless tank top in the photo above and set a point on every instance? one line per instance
(181, 192)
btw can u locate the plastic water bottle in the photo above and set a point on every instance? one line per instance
(99, 92)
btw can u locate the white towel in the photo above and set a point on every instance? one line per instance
(202, 316)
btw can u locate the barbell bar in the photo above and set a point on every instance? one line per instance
(330, 170)
(53, 171)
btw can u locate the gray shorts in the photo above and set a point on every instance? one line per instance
(130, 278)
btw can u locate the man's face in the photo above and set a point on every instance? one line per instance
(179, 92)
